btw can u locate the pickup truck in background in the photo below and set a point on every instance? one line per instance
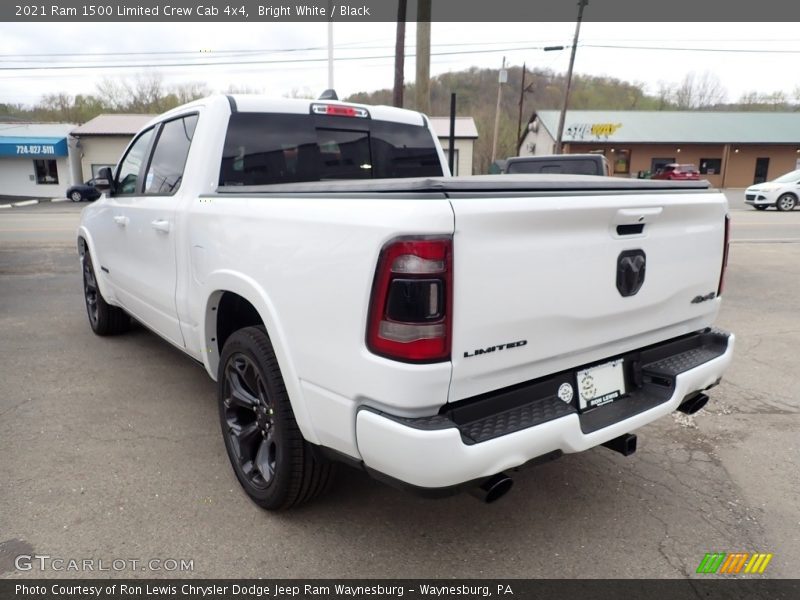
(561, 164)
(356, 304)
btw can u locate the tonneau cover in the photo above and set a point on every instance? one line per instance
(476, 183)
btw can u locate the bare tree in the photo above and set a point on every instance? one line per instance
(243, 89)
(664, 95)
(699, 92)
(304, 92)
(146, 93)
(193, 90)
(112, 94)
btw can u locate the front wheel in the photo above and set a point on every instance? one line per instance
(786, 202)
(104, 318)
(274, 464)
(76, 196)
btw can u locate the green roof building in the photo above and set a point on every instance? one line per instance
(730, 149)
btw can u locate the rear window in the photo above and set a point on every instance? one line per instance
(267, 148)
(574, 167)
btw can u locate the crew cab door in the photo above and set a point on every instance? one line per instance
(146, 272)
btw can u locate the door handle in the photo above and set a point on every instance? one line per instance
(121, 220)
(160, 225)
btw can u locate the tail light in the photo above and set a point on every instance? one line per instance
(725, 254)
(410, 316)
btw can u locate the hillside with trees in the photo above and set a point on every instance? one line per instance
(476, 91)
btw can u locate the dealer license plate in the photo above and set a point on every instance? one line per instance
(601, 384)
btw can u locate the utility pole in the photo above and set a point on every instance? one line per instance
(399, 54)
(581, 5)
(423, 83)
(330, 47)
(501, 79)
(522, 91)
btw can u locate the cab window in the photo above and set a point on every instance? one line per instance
(127, 178)
(165, 172)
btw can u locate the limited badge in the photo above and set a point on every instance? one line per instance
(565, 392)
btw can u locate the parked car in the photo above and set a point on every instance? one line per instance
(83, 191)
(782, 193)
(676, 172)
(577, 164)
(355, 304)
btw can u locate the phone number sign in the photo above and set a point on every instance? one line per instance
(32, 148)
(25, 149)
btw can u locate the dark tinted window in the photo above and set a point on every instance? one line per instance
(265, 148)
(166, 168)
(343, 154)
(128, 173)
(403, 151)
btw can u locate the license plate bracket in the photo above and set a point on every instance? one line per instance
(601, 384)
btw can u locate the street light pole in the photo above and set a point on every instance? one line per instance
(581, 5)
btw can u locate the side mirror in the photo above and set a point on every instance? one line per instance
(104, 181)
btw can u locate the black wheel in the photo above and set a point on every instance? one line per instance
(786, 202)
(104, 318)
(760, 207)
(76, 196)
(274, 464)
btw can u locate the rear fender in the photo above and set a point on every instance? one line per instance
(216, 284)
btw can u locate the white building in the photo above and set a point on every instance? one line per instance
(465, 135)
(102, 140)
(35, 159)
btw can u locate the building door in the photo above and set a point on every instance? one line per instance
(762, 166)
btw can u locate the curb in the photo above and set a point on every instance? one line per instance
(25, 203)
(60, 200)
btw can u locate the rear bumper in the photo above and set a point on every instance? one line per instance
(464, 445)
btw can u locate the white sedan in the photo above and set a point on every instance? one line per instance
(782, 193)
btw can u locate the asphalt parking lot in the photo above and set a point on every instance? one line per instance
(111, 450)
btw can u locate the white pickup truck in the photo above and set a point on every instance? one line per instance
(356, 303)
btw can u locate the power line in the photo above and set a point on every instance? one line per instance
(680, 49)
(244, 51)
(253, 62)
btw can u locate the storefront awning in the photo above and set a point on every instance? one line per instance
(33, 147)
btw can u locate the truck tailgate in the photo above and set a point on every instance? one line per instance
(542, 268)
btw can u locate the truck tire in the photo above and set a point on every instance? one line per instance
(104, 318)
(274, 464)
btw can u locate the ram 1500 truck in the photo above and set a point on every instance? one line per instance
(355, 303)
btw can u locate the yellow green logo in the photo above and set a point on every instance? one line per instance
(734, 562)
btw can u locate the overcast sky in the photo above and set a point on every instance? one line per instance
(771, 69)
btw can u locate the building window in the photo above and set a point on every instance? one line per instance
(455, 160)
(622, 161)
(710, 166)
(46, 171)
(657, 164)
